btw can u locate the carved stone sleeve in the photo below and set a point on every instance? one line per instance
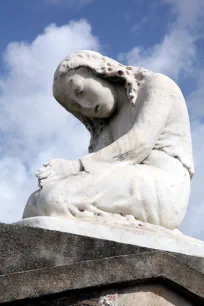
(154, 104)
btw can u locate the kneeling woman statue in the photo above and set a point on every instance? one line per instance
(140, 162)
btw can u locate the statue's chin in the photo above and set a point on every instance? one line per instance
(97, 116)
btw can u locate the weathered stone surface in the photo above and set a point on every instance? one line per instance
(140, 234)
(26, 248)
(55, 268)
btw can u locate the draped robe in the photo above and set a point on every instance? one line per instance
(145, 172)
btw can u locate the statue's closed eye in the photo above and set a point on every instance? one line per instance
(78, 91)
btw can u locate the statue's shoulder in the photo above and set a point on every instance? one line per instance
(161, 81)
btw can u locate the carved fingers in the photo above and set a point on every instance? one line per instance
(56, 169)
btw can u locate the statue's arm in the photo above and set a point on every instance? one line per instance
(155, 100)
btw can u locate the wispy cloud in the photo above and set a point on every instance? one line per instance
(34, 128)
(174, 55)
(137, 26)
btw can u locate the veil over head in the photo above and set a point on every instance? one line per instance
(107, 68)
(130, 77)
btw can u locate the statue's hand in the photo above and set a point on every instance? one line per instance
(55, 169)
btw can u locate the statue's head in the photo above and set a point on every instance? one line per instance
(82, 91)
(85, 84)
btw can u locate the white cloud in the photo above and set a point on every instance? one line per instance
(193, 223)
(188, 13)
(174, 55)
(177, 56)
(34, 128)
(167, 57)
(195, 98)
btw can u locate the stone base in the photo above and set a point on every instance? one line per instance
(44, 267)
(123, 231)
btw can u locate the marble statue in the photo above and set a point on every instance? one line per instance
(139, 165)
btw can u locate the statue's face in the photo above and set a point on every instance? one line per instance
(84, 92)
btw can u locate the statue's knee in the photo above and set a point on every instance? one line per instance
(30, 209)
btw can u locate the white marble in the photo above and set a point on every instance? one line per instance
(140, 162)
(121, 229)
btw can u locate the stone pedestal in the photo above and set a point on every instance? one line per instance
(47, 267)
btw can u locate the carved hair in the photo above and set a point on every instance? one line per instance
(107, 68)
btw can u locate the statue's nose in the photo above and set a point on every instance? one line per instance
(77, 84)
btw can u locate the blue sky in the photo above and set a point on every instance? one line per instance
(25, 19)
(163, 35)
